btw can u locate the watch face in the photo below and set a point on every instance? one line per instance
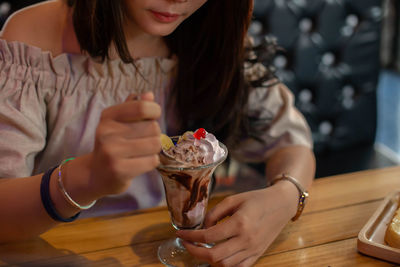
(303, 198)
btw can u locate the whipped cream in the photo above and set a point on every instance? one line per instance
(195, 152)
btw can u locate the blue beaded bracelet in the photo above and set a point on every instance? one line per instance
(46, 199)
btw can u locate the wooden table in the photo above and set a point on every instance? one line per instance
(325, 235)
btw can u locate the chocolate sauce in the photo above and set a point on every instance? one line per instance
(182, 178)
(198, 191)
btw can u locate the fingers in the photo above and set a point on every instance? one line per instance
(139, 129)
(225, 208)
(248, 262)
(213, 234)
(215, 254)
(130, 148)
(228, 253)
(131, 111)
(148, 96)
(116, 177)
(230, 248)
(142, 165)
(142, 129)
(243, 258)
(127, 143)
(239, 239)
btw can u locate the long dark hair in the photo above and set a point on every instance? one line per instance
(210, 90)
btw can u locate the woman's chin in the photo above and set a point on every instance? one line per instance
(162, 33)
(161, 30)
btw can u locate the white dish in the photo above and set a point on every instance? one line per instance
(371, 237)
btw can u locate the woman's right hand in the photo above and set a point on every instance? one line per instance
(127, 144)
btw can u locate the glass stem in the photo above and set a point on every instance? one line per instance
(179, 243)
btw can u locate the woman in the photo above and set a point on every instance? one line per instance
(99, 80)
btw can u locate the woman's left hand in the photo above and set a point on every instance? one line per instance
(256, 219)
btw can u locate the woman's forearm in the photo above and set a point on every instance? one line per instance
(22, 213)
(296, 161)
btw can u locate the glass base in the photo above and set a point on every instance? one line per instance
(173, 253)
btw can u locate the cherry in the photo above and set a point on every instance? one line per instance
(200, 133)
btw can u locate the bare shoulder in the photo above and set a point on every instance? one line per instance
(39, 25)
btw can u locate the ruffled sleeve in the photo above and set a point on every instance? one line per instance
(274, 121)
(22, 110)
(50, 106)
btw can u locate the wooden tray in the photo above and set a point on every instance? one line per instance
(371, 237)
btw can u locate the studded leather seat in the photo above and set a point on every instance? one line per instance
(330, 60)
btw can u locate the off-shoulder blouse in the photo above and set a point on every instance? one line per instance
(50, 108)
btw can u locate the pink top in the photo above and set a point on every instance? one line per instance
(50, 108)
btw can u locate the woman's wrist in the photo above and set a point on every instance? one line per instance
(76, 182)
(289, 195)
(63, 208)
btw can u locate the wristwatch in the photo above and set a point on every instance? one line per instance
(303, 194)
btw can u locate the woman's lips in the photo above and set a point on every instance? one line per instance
(164, 17)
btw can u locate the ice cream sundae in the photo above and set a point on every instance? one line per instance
(187, 163)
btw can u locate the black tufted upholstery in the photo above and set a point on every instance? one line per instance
(5, 11)
(331, 63)
(8, 7)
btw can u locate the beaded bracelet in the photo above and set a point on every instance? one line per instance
(46, 199)
(64, 192)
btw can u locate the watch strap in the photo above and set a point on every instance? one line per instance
(303, 194)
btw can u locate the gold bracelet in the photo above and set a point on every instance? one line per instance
(64, 192)
(303, 194)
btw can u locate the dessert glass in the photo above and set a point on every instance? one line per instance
(187, 190)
